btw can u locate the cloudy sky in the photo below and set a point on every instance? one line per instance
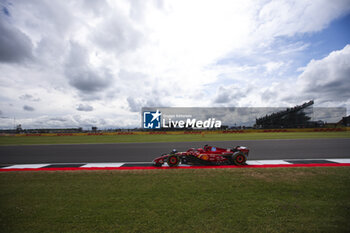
(84, 63)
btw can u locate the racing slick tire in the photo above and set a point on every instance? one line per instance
(238, 158)
(173, 161)
(157, 164)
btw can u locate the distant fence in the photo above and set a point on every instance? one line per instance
(196, 132)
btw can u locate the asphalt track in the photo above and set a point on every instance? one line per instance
(144, 152)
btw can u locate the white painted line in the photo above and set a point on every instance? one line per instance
(21, 166)
(253, 162)
(340, 160)
(103, 165)
(266, 162)
(180, 165)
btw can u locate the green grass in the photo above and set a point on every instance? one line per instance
(6, 140)
(205, 200)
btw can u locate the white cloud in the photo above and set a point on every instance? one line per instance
(272, 66)
(287, 18)
(328, 79)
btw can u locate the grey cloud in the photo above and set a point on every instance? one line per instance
(268, 95)
(60, 119)
(85, 108)
(136, 104)
(229, 95)
(97, 7)
(6, 11)
(330, 115)
(88, 81)
(26, 97)
(139, 96)
(28, 108)
(29, 98)
(49, 24)
(81, 75)
(222, 97)
(78, 56)
(102, 121)
(15, 46)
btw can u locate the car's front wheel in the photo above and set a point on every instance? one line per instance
(157, 164)
(239, 158)
(173, 161)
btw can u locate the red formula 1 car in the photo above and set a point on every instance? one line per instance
(208, 155)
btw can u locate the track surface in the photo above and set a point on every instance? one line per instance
(141, 152)
(148, 166)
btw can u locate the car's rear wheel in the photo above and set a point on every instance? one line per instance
(173, 160)
(239, 158)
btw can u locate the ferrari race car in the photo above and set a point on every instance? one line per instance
(208, 155)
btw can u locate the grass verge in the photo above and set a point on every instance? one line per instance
(199, 200)
(32, 140)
